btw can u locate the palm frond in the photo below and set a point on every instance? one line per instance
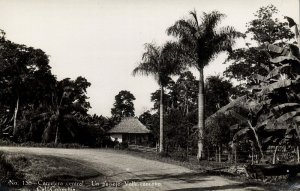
(160, 62)
(211, 20)
(194, 14)
(145, 68)
(185, 30)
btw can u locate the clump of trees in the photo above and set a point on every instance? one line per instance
(37, 107)
(267, 115)
(123, 106)
(180, 101)
(253, 59)
(197, 43)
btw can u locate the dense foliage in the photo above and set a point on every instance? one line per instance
(35, 106)
(267, 115)
(252, 59)
(272, 107)
(263, 110)
(180, 98)
(123, 106)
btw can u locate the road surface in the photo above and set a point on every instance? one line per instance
(139, 173)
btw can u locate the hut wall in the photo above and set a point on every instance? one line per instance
(118, 136)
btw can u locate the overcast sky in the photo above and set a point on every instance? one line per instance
(104, 40)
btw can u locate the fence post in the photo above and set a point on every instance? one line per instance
(298, 155)
(252, 153)
(219, 153)
(208, 154)
(234, 148)
(235, 157)
(228, 157)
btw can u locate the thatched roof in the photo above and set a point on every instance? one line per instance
(129, 125)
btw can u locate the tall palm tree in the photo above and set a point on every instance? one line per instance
(201, 42)
(161, 63)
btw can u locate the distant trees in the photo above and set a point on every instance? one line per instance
(201, 42)
(186, 91)
(253, 59)
(123, 106)
(218, 93)
(180, 112)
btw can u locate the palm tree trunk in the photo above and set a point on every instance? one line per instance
(57, 126)
(200, 114)
(15, 117)
(56, 136)
(161, 129)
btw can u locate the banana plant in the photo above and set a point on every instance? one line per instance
(272, 107)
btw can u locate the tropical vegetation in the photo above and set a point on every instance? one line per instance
(201, 41)
(254, 107)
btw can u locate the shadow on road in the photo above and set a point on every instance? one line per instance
(201, 177)
(224, 187)
(192, 177)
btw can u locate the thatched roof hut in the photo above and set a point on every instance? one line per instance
(130, 130)
(129, 125)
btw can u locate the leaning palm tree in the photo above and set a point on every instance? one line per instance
(201, 42)
(161, 63)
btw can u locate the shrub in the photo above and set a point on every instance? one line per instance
(18, 161)
(123, 145)
(164, 154)
(180, 155)
(7, 171)
(34, 144)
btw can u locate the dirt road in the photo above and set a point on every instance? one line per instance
(139, 173)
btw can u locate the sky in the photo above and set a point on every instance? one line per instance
(103, 40)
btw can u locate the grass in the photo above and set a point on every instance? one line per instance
(48, 145)
(7, 170)
(35, 170)
(192, 162)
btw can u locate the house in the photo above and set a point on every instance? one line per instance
(130, 130)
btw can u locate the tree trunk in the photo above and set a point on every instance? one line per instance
(216, 154)
(234, 149)
(56, 135)
(252, 152)
(208, 154)
(219, 153)
(257, 140)
(298, 155)
(15, 118)
(235, 157)
(274, 155)
(297, 32)
(200, 115)
(161, 129)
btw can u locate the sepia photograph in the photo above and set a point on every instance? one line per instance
(139, 95)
